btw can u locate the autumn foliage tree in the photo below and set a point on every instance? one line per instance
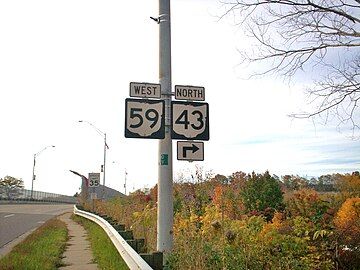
(262, 192)
(228, 222)
(347, 222)
(349, 184)
(294, 182)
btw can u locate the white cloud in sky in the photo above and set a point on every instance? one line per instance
(65, 61)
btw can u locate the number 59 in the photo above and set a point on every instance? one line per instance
(150, 114)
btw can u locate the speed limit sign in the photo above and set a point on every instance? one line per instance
(190, 120)
(144, 118)
(94, 179)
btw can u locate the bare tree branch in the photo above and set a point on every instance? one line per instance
(295, 35)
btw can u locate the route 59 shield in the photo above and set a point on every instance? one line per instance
(144, 118)
(190, 120)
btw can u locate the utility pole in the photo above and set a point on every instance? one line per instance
(125, 181)
(165, 173)
(33, 178)
(103, 167)
(33, 170)
(105, 146)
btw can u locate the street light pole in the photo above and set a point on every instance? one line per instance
(105, 147)
(114, 162)
(33, 170)
(165, 170)
(33, 178)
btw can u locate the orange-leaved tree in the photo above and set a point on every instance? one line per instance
(347, 221)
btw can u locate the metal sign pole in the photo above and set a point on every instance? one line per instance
(165, 174)
(103, 188)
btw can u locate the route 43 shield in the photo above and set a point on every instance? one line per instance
(190, 120)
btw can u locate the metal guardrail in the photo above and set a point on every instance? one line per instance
(129, 255)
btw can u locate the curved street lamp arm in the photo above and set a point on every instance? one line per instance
(38, 153)
(91, 124)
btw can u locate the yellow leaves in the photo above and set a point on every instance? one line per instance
(349, 183)
(136, 215)
(321, 233)
(218, 196)
(275, 224)
(194, 218)
(277, 220)
(207, 225)
(145, 217)
(348, 216)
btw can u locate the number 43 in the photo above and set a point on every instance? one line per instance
(183, 119)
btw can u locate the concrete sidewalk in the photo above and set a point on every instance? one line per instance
(78, 253)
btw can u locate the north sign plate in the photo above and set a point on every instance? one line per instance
(145, 90)
(190, 151)
(190, 120)
(188, 92)
(144, 118)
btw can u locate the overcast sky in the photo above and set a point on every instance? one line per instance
(64, 61)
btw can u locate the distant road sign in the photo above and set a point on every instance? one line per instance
(145, 90)
(187, 92)
(94, 179)
(144, 118)
(190, 120)
(190, 151)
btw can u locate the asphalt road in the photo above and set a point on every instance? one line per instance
(19, 219)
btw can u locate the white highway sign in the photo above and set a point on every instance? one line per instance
(94, 179)
(144, 118)
(187, 92)
(145, 90)
(190, 151)
(190, 120)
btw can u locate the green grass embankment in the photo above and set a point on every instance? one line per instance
(40, 250)
(105, 253)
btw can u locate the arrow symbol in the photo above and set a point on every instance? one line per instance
(192, 148)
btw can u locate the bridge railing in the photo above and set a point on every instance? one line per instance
(41, 196)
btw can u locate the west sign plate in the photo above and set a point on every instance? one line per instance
(145, 90)
(190, 120)
(144, 118)
(190, 151)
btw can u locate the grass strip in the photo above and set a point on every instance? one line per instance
(105, 254)
(40, 250)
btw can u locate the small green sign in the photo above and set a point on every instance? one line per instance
(164, 159)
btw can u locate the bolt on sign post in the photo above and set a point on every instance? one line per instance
(94, 181)
(151, 114)
(148, 117)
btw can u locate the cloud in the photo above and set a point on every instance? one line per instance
(336, 161)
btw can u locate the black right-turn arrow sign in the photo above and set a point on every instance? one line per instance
(191, 151)
(192, 148)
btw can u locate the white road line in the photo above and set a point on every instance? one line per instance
(9, 215)
(41, 222)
